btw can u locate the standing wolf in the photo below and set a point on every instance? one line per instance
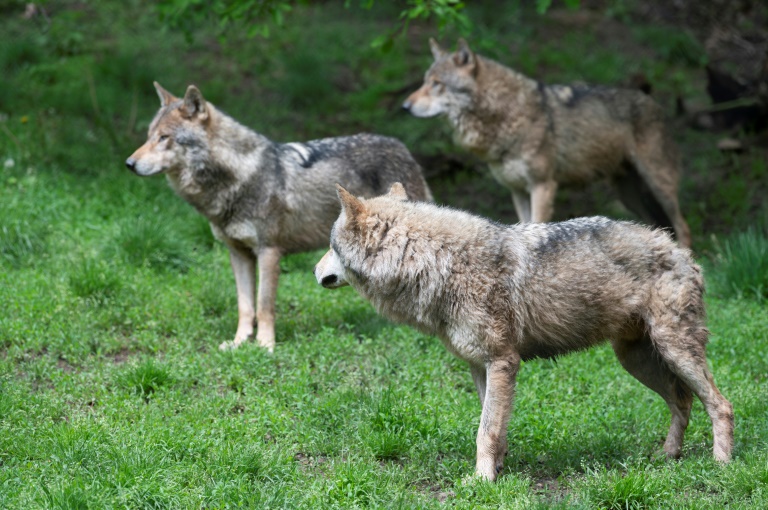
(264, 199)
(535, 137)
(496, 295)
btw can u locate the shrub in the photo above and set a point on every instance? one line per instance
(740, 265)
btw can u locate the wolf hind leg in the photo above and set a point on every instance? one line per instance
(269, 273)
(682, 348)
(658, 165)
(638, 357)
(635, 194)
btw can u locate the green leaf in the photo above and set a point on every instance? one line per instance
(542, 6)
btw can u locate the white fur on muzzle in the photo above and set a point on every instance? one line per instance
(329, 272)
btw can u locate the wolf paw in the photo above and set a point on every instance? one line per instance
(471, 479)
(227, 346)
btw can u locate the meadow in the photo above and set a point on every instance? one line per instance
(115, 296)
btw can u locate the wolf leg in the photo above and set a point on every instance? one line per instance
(658, 166)
(479, 377)
(635, 194)
(637, 356)
(497, 405)
(681, 346)
(269, 272)
(522, 201)
(543, 201)
(243, 266)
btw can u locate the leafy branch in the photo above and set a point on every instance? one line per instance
(261, 16)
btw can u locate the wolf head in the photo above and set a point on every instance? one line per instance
(449, 83)
(180, 126)
(337, 269)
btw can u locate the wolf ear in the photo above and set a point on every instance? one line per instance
(194, 104)
(437, 51)
(464, 56)
(166, 97)
(352, 205)
(397, 191)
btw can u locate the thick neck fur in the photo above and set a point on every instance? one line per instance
(500, 106)
(220, 157)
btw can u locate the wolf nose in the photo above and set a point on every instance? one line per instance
(131, 164)
(328, 280)
(407, 106)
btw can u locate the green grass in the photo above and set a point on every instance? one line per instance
(740, 264)
(113, 393)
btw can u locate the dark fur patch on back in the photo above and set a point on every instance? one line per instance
(572, 95)
(561, 234)
(372, 179)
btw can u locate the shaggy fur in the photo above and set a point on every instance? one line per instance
(264, 199)
(536, 137)
(496, 295)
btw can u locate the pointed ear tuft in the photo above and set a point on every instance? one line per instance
(464, 56)
(194, 104)
(352, 205)
(437, 51)
(397, 190)
(166, 97)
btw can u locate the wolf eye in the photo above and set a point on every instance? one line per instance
(163, 138)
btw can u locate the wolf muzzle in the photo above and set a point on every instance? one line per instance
(329, 273)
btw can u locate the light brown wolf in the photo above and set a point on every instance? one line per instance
(264, 199)
(496, 295)
(536, 137)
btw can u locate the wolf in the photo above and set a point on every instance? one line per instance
(264, 199)
(497, 295)
(536, 137)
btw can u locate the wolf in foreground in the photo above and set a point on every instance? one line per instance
(264, 199)
(496, 295)
(536, 137)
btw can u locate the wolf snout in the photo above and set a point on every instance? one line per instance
(329, 273)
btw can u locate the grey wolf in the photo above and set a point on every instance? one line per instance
(536, 137)
(497, 295)
(263, 199)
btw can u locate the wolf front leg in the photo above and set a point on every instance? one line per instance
(497, 405)
(243, 266)
(269, 272)
(522, 201)
(543, 201)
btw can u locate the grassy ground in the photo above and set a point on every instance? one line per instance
(112, 391)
